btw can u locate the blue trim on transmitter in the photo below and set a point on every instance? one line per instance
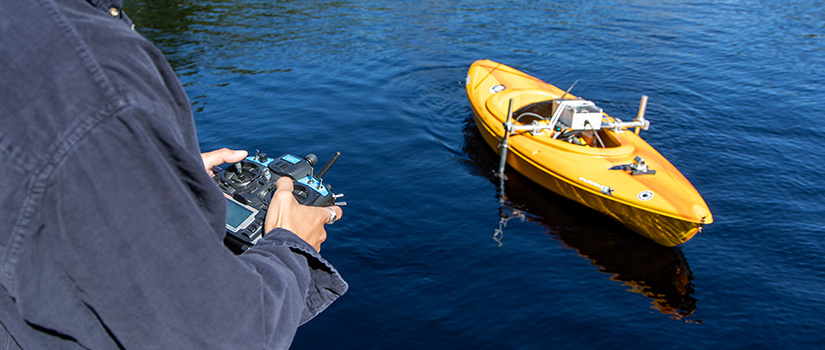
(292, 159)
(314, 184)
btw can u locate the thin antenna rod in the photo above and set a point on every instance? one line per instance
(568, 90)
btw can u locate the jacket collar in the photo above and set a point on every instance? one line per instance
(107, 4)
(113, 7)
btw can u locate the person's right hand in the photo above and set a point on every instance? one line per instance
(305, 221)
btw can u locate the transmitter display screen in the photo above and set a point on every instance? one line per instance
(237, 215)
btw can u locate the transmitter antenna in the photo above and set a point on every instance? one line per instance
(328, 165)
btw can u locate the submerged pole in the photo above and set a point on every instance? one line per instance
(498, 234)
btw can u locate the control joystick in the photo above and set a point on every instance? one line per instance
(241, 173)
(248, 186)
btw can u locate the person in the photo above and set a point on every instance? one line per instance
(110, 228)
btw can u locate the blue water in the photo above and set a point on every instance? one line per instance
(736, 103)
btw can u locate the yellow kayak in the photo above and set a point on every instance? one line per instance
(571, 147)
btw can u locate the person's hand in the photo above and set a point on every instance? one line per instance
(221, 156)
(305, 221)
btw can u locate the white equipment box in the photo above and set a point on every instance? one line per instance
(578, 114)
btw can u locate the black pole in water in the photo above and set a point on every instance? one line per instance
(504, 146)
(498, 234)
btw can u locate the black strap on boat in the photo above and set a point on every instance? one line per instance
(638, 167)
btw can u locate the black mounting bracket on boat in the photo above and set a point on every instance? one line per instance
(638, 167)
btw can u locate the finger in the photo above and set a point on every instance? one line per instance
(284, 184)
(233, 156)
(338, 212)
(222, 156)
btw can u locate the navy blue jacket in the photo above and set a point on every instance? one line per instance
(110, 229)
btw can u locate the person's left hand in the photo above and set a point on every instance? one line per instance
(221, 156)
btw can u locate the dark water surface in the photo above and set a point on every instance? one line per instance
(736, 103)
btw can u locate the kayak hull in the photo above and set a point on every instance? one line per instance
(662, 206)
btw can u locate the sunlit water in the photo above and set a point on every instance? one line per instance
(736, 91)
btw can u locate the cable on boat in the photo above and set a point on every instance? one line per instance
(595, 132)
(530, 114)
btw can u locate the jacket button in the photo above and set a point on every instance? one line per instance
(114, 12)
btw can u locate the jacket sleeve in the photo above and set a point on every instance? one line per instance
(138, 229)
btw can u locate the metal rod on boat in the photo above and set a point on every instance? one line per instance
(504, 145)
(641, 116)
(568, 90)
(506, 137)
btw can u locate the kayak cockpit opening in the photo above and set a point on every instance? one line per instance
(578, 122)
(575, 121)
